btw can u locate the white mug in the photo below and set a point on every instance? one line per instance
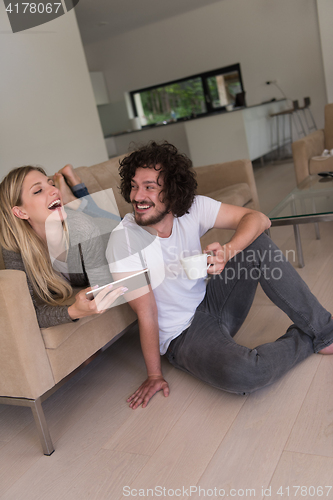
(195, 266)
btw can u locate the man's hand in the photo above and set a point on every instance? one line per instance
(152, 385)
(219, 258)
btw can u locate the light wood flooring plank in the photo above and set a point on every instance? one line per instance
(76, 402)
(248, 455)
(3, 408)
(12, 420)
(316, 252)
(265, 323)
(313, 429)
(147, 427)
(313, 473)
(183, 455)
(323, 288)
(106, 475)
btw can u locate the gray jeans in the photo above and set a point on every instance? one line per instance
(207, 350)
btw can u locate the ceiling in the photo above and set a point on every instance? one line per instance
(101, 19)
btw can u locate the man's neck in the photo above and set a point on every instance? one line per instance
(164, 228)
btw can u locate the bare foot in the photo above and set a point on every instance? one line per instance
(66, 192)
(327, 350)
(70, 175)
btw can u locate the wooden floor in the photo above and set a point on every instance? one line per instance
(276, 443)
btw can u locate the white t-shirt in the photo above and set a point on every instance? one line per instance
(132, 248)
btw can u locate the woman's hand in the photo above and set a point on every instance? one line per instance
(146, 391)
(86, 306)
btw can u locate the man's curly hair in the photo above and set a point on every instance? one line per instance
(179, 181)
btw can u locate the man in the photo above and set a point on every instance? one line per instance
(193, 322)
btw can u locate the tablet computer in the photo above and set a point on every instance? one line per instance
(133, 282)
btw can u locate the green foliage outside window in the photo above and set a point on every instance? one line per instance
(174, 101)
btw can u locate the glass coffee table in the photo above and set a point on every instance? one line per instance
(311, 201)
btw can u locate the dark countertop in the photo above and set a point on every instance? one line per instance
(197, 117)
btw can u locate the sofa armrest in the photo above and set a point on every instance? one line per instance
(303, 150)
(213, 177)
(25, 370)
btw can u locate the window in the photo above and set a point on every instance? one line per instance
(189, 97)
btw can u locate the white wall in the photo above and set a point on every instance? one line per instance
(48, 114)
(175, 134)
(325, 14)
(272, 39)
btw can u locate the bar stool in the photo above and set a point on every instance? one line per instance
(284, 135)
(311, 124)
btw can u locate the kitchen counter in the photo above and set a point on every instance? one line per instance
(211, 138)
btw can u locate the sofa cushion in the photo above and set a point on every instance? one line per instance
(237, 194)
(70, 345)
(321, 164)
(55, 336)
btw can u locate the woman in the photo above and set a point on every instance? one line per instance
(36, 231)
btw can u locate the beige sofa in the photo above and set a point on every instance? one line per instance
(307, 149)
(34, 361)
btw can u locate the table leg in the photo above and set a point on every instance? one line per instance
(298, 245)
(317, 230)
(316, 224)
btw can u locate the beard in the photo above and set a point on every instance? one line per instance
(150, 221)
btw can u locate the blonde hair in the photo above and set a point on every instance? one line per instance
(18, 236)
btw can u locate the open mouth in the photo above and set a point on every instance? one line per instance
(142, 207)
(55, 204)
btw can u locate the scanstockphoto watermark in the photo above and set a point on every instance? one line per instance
(295, 491)
(25, 15)
(187, 492)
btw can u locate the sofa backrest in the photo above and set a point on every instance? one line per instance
(210, 178)
(104, 176)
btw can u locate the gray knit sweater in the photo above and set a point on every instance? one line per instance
(87, 265)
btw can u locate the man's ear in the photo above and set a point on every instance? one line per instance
(19, 213)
